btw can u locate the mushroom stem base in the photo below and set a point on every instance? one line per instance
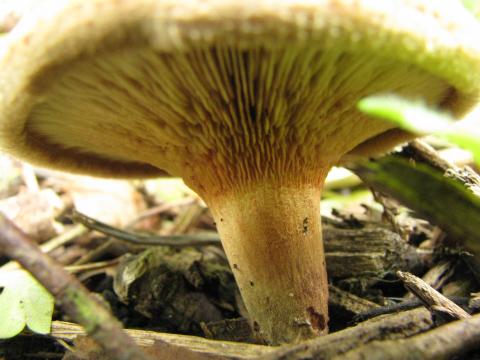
(272, 238)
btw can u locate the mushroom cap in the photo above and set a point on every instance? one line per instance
(141, 88)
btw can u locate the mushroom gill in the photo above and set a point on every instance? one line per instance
(244, 114)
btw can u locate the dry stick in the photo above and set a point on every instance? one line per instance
(96, 253)
(404, 306)
(393, 326)
(146, 338)
(92, 266)
(70, 294)
(52, 244)
(431, 298)
(110, 243)
(210, 238)
(444, 342)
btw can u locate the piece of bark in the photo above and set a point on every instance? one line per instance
(228, 350)
(369, 252)
(395, 326)
(432, 299)
(445, 342)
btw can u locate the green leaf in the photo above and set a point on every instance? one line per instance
(441, 200)
(418, 118)
(23, 302)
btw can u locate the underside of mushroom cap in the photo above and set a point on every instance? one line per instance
(226, 91)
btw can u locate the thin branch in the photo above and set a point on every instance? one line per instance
(145, 338)
(92, 266)
(431, 298)
(54, 243)
(200, 239)
(405, 305)
(392, 326)
(445, 342)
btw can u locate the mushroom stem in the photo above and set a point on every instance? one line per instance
(272, 237)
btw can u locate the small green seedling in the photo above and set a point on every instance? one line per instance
(23, 302)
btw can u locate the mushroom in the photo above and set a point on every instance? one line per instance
(250, 102)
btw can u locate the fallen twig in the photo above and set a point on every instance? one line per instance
(53, 243)
(453, 339)
(403, 306)
(63, 239)
(199, 239)
(395, 326)
(222, 349)
(431, 298)
(69, 293)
